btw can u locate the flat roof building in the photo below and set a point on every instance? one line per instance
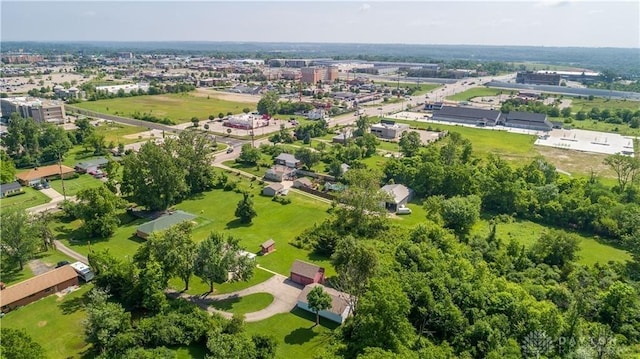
(389, 130)
(38, 109)
(535, 78)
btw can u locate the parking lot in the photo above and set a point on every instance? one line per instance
(587, 141)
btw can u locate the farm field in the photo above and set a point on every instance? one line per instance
(178, 107)
(296, 333)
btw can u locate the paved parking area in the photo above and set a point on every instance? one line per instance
(587, 141)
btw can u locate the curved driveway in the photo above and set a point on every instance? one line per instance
(285, 296)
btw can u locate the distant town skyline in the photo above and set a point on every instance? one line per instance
(526, 23)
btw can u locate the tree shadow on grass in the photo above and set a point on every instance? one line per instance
(300, 336)
(70, 306)
(236, 223)
(225, 304)
(311, 317)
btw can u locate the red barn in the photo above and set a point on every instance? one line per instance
(306, 273)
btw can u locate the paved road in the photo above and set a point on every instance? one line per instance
(70, 252)
(285, 296)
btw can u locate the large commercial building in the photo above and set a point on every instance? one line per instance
(38, 109)
(113, 89)
(481, 117)
(313, 75)
(536, 78)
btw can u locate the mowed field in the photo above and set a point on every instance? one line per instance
(510, 146)
(215, 211)
(476, 92)
(178, 107)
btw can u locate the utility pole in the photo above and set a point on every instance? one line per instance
(64, 192)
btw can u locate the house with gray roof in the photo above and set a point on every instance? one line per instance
(399, 195)
(7, 189)
(288, 160)
(91, 165)
(160, 224)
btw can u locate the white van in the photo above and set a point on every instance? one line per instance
(403, 210)
(83, 271)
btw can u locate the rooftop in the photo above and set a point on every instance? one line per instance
(397, 191)
(36, 284)
(338, 299)
(46, 171)
(165, 222)
(305, 269)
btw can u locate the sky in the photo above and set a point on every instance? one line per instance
(526, 23)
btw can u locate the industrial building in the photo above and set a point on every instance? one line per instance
(127, 88)
(38, 109)
(535, 78)
(389, 130)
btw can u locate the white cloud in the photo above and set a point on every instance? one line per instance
(364, 7)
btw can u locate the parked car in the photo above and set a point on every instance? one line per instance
(230, 149)
(62, 263)
(403, 210)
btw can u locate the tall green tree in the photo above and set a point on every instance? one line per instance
(104, 320)
(307, 156)
(268, 104)
(17, 344)
(359, 208)
(318, 300)
(98, 209)
(7, 168)
(249, 154)
(625, 167)
(410, 143)
(355, 265)
(460, 213)
(555, 248)
(18, 240)
(194, 150)
(245, 211)
(175, 250)
(153, 177)
(217, 256)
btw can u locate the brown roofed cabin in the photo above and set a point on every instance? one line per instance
(268, 247)
(38, 287)
(37, 175)
(306, 273)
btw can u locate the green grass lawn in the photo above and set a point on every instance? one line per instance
(527, 232)
(242, 305)
(280, 222)
(584, 104)
(72, 186)
(178, 107)
(198, 286)
(55, 323)
(514, 146)
(296, 333)
(475, 92)
(115, 132)
(123, 244)
(29, 198)
(12, 274)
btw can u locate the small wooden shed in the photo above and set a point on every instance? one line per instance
(268, 247)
